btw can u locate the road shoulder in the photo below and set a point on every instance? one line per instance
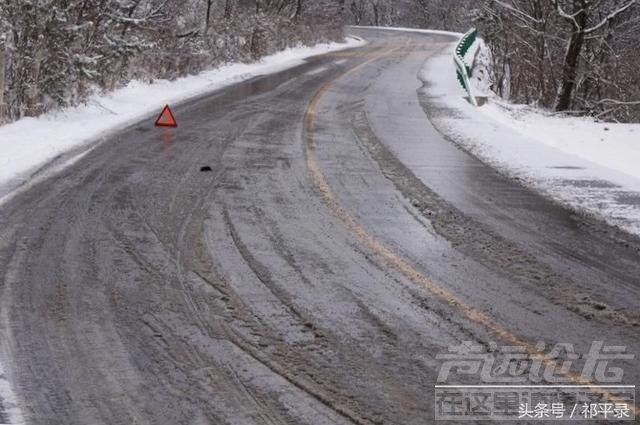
(588, 188)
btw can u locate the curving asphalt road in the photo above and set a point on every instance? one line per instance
(337, 246)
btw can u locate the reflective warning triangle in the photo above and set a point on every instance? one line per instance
(166, 118)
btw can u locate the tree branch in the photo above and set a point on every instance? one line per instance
(609, 17)
(518, 12)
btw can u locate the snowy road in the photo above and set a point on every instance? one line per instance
(336, 247)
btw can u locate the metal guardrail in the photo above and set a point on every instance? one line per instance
(463, 70)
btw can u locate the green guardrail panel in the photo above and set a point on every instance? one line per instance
(460, 79)
(467, 42)
(462, 48)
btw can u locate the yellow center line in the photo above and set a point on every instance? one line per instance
(321, 184)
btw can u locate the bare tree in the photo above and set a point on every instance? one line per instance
(578, 18)
(561, 51)
(358, 11)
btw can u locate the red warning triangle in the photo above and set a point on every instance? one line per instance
(166, 118)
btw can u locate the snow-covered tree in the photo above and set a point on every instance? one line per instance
(55, 52)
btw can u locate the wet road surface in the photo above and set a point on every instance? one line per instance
(337, 245)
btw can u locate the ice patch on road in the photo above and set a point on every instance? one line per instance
(30, 143)
(317, 71)
(567, 159)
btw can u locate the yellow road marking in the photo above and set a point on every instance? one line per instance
(321, 184)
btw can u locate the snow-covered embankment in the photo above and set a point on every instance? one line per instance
(587, 165)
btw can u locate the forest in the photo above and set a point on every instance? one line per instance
(567, 56)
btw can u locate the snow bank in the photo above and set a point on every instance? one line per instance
(615, 146)
(30, 143)
(589, 166)
(482, 75)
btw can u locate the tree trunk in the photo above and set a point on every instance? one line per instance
(208, 16)
(298, 9)
(376, 15)
(569, 71)
(342, 8)
(2, 65)
(227, 9)
(572, 57)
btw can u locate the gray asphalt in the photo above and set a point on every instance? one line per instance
(338, 244)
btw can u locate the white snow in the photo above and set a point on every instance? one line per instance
(589, 166)
(416, 30)
(482, 75)
(9, 409)
(30, 143)
(616, 146)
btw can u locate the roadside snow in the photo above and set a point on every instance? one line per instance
(482, 77)
(30, 143)
(616, 146)
(589, 166)
(10, 413)
(416, 30)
